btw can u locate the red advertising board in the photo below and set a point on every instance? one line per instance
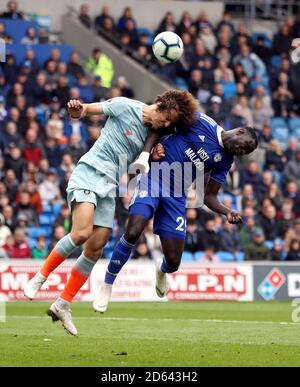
(232, 283)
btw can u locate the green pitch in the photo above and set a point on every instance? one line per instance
(153, 334)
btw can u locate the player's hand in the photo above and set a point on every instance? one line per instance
(140, 165)
(75, 108)
(234, 217)
(158, 152)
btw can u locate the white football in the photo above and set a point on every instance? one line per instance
(167, 47)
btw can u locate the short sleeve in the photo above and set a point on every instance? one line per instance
(219, 173)
(114, 106)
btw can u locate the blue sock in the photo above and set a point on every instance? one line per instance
(121, 254)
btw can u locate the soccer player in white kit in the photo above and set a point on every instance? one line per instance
(93, 183)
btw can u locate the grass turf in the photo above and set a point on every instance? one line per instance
(153, 334)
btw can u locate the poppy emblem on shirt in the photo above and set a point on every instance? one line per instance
(127, 132)
(217, 157)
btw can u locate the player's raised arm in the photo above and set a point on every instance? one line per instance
(212, 202)
(141, 165)
(79, 110)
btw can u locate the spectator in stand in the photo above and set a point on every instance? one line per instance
(257, 250)
(99, 92)
(292, 169)
(269, 223)
(12, 11)
(99, 20)
(49, 189)
(8, 247)
(76, 127)
(202, 22)
(193, 237)
(10, 137)
(167, 24)
(275, 158)
(25, 208)
(64, 219)
(282, 102)
(292, 192)
(282, 41)
(4, 231)
(226, 21)
(30, 37)
(209, 237)
(8, 214)
(230, 239)
(40, 251)
(294, 251)
(11, 184)
(33, 149)
(14, 161)
(3, 34)
(253, 66)
(261, 113)
(184, 23)
(277, 251)
(292, 233)
(74, 67)
(251, 174)
(20, 249)
(101, 65)
(215, 110)
(209, 256)
(291, 149)
(125, 88)
(84, 16)
(262, 50)
(126, 15)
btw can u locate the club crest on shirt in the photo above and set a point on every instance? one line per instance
(217, 157)
(143, 194)
(127, 132)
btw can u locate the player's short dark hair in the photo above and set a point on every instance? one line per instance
(181, 105)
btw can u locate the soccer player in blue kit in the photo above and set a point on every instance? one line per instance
(204, 144)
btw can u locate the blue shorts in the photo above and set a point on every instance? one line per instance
(169, 212)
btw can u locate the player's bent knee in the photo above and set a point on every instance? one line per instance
(80, 237)
(132, 235)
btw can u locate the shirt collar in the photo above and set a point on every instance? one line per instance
(219, 134)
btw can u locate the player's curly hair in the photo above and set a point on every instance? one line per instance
(181, 105)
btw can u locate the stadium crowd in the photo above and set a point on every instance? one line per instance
(238, 79)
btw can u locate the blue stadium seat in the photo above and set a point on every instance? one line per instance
(148, 33)
(47, 208)
(181, 83)
(42, 51)
(31, 242)
(269, 244)
(17, 28)
(276, 62)
(240, 256)
(255, 35)
(35, 232)
(280, 130)
(198, 255)
(294, 124)
(225, 256)
(187, 257)
(46, 219)
(56, 208)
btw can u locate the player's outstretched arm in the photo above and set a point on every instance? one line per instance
(141, 164)
(78, 110)
(212, 202)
